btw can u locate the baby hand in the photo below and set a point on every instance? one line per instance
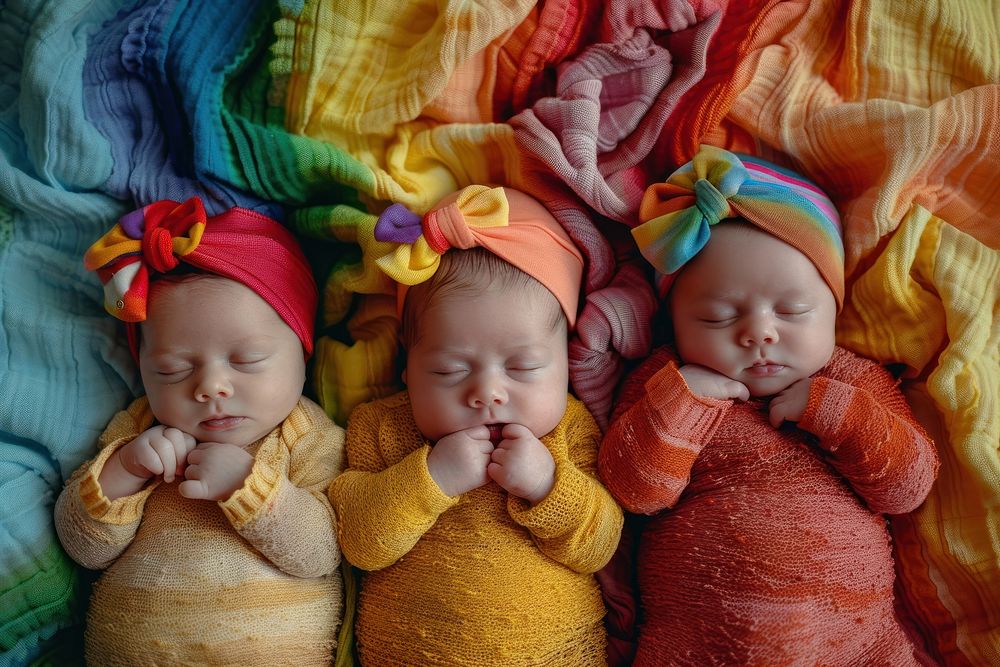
(522, 465)
(790, 403)
(214, 471)
(457, 462)
(161, 450)
(706, 382)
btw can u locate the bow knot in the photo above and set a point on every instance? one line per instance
(456, 222)
(679, 213)
(713, 204)
(153, 238)
(158, 249)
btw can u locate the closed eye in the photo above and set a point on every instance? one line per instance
(247, 362)
(172, 375)
(794, 312)
(717, 321)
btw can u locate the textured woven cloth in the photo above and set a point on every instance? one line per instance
(767, 546)
(478, 579)
(252, 580)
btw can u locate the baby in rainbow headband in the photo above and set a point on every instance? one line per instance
(472, 498)
(763, 454)
(206, 505)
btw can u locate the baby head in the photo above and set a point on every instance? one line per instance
(751, 262)
(485, 330)
(219, 313)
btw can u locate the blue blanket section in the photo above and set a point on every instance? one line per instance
(155, 92)
(104, 106)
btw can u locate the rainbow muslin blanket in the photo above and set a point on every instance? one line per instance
(322, 113)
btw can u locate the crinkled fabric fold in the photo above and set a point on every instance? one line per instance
(596, 133)
(614, 325)
(931, 302)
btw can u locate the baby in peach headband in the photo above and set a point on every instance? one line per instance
(763, 453)
(471, 499)
(207, 505)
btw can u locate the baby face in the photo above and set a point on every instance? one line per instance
(753, 308)
(218, 362)
(490, 358)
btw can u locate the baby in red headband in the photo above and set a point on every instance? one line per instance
(471, 500)
(763, 453)
(207, 505)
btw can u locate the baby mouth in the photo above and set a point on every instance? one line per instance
(496, 433)
(221, 423)
(765, 369)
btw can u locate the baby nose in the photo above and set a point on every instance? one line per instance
(759, 330)
(213, 384)
(487, 392)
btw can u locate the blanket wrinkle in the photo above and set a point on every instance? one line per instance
(610, 105)
(615, 324)
(561, 29)
(931, 300)
(148, 113)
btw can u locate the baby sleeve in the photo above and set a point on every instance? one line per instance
(383, 507)
(869, 434)
(93, 529)
(282, 508)
(578, 524)
(647, 455)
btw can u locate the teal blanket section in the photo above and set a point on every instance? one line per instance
(39, 585)
(64, 373)
(63, 370)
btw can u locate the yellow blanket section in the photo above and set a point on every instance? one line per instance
(382, 80)
(931, 301)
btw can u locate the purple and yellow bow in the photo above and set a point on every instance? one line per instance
(509, 223)
(456, 222)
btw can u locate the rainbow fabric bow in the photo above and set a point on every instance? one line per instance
(153, 237)
(717, 185)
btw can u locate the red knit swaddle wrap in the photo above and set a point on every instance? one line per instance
(769, 556)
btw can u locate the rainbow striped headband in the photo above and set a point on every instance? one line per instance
(677, 215)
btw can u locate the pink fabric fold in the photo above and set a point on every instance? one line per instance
(615, 324)
(612, 101)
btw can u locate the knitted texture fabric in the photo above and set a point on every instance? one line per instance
(253, 580)
(478, 579)
(772, 550)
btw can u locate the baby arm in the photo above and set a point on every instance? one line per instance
(577, 523)
(383, 507)
(93, 528)
(647, 455)
(282, 508)
(864, 424)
